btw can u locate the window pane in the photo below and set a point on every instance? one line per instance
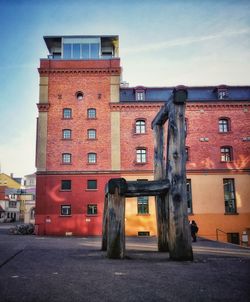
(91, 134)
(229, 196)
(85, 51)
(66, 210)
(67, 51)
(67, 113)
(76, 51)
(66, 184)
(66, 158)
(92, 209)
(94, 51)
(91, 113)
(92, 158)
(92, 184)
(142, 205)
(67, 134)
(189, 196)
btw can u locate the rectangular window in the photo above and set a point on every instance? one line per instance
(92, 158)
(189, 196)
(91, 113)
(66, 185)
(142, 205)
(12, 204)
(141, 156)
(92, 184)
(67, 113)
(67, 51)
(229, 195)
(76, 51)
(66, 210)
(226, 154)
(91, 134)
(140, 96)
(66, 134)
(92, 209)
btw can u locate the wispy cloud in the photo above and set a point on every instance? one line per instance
(185, 41)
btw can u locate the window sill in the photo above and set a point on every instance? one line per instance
(65, 118)
(92, 190)
(141, 214)
(92, 215)
(66, 139)
(135, 133)
(65, 215)
(225, 162)
(140, 164)
(91, 164)
(65, 190)
(66, 164)
(228, 132)
(231, 213)
(91, 118)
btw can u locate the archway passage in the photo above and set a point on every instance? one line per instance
(169, 187)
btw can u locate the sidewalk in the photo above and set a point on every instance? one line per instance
(74, 269)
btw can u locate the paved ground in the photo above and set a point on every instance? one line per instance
(37, 269)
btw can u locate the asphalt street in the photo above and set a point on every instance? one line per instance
(38, 269)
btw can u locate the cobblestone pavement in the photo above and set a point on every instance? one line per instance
(37, 269)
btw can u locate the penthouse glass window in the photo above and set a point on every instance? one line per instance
(140, 126)
(226, 153)
(223, 125)
(142, 205)
(81, 48)
(229, 195)
(67, 113)
(91, 113)
(141, 156)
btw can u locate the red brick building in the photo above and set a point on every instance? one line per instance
(91, 129)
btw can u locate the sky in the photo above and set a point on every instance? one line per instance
(162, 43)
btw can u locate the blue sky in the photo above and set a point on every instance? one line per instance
(162, 43)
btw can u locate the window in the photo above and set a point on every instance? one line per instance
(226, 153)
(66, 210)
(92, 184)
(142, 205)
(141, 156)
(187, 153)
(66, 158)
(91, 158)
(229, 195)
(92, 209)
(91, 134)
(67, 113)
(233, 238)
(66, 185)
(223, 125)
(12, 204)
(140, 126)
(32, 213)
(140, 95)
(91, 113)
(189, 196)
(66, 134)
(81, 48)
(79, 96)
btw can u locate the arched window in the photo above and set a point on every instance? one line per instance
(79, 95)
(140, 126)
(66, 134)
(226, 153)
(66, 158)
(141, 155)
(92, 158)
(224, 125)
